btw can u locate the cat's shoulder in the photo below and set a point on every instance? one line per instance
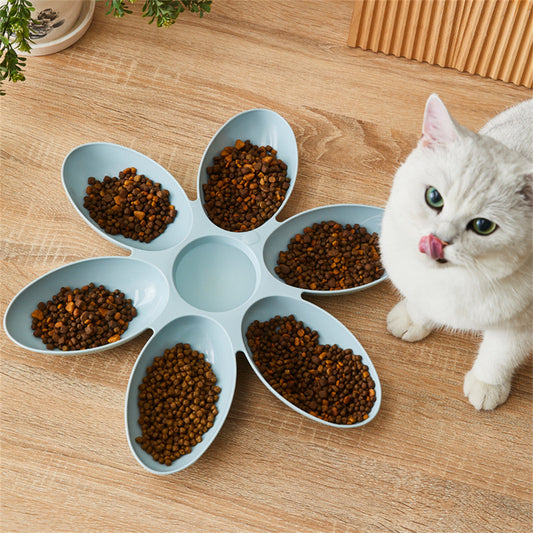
(513, 128)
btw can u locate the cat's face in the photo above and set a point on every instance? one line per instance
(463, 200)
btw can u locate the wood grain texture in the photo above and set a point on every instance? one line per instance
(428, 463)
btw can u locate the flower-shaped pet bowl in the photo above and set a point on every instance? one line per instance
(196, 283)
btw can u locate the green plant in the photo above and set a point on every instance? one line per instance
(15, 18)
(164, 12)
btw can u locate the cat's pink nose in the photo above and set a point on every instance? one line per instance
(432, 246)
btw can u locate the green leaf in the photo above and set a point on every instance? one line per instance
(15, 18)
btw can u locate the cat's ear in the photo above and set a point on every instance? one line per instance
(439, 127)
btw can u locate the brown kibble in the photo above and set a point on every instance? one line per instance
(323, 380)
(131, 205)
(246, 186)
(38, 314)
(329, 256)
(177, 404)
(62, 325)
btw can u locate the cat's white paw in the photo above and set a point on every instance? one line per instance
(484, 395)
(400, 324)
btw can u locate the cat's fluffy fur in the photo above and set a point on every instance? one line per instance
(449, 275)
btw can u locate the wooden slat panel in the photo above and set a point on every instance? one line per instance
(353, 36)
(480, 37)
(378, 17)
(409, 34)
(523, 65)
(366, 22)
(492, 38)
(388, 26)
(467, 33)
(422, 35)
(516, 38)
(498, 56)
(401, 21)
(527, 78)
(451, 46)
(445, 33)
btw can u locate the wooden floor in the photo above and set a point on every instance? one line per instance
(428, 462)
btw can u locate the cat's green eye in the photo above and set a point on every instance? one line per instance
(434, 199)
(482, 226)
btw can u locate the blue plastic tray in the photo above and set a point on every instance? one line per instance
(197, 283)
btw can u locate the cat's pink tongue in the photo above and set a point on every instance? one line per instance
(432, 246)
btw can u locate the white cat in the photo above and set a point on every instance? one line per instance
(457, 241)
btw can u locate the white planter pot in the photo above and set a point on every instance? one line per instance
(57, 24)
(52, 19)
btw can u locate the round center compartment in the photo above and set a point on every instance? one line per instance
(214, 274)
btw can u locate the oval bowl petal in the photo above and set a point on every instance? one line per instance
(142, 282)
(330, 331)
(102, 159)
(262, 127)
(206, 336)
(364, 215)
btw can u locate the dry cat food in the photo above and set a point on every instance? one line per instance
(324, 380)
(177, 403)
(77, 319)
(330, 256)
(131, 205)
(247, 185)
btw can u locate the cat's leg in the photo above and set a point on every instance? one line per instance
(488, 384)
(404, 322)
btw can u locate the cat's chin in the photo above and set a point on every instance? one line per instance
(440, 262)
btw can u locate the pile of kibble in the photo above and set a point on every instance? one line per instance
(324, 380)
(331, 256)
(177, 403)
(247, 184)
(81, 318)
(131, 205)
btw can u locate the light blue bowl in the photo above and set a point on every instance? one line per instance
(196, 283)
(368, 216)
(330, 330)
(99, 160)
(142, 282)
(262, 127)
(206, 336)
